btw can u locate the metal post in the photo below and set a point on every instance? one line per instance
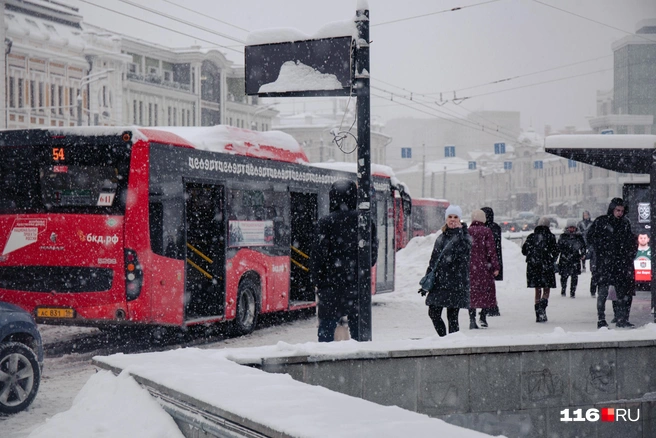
(362, 74)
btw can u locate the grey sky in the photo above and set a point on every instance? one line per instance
(486, 41)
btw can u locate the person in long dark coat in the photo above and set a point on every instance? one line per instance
(541, 251)
(450, 257)
(483, 267)
(496, 232)
(584, 224)
(615, 248)
(572, 251)
(334, 261)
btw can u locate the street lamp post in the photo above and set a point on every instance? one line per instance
(79, 110)
(86, 80)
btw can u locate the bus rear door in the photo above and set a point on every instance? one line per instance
(205, 251)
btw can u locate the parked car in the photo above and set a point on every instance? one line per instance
(21, 359)
(526, 220)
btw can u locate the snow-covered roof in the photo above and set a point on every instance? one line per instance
(281, 35)
(621, 153)
(376, 169)
(220, 138)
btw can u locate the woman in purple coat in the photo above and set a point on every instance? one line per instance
(483, 267)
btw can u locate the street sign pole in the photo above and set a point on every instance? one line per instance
(362, 91)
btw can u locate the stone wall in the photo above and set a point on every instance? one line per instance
(517, 391)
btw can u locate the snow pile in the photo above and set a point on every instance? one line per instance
(111, 407)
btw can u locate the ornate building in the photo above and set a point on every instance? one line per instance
(59, 71)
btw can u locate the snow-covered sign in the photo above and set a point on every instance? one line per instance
(315, 67)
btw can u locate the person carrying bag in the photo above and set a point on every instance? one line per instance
(449, 265)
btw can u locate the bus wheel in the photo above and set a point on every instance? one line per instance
(247, 307)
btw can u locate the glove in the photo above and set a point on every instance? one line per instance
(422, 292)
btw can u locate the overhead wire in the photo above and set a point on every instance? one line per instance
(160, 26)
(179, 20)
(458, 8)
(206, 16)
(591, 20)
(458, 121)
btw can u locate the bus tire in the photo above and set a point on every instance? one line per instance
(21, 377)
(247, 307)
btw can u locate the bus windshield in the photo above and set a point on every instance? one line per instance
(91, 179)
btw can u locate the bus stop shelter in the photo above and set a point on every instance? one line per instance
(620, 153)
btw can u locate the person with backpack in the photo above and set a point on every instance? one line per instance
(541, 251)
(572, 251)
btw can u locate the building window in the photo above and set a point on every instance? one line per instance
(32, 95)
(53, 109)
(41, 103)
(141, 113)
(150, 114)
(134, 112)
(20, 92)
(155, 118)
(169, 114)
(175, 117)
(60, 96)
(12, 92)
(182, 114)
(188, 118)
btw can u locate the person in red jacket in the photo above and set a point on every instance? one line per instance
(483, 267)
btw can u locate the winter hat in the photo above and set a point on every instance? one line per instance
(544, 221)
(453, 209)
(571, 223)
(478, 215)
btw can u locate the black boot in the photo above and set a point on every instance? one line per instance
(572, 293)
(538, 313)
(472, 319)
(493, 311)
(543, 309)
(482, 320)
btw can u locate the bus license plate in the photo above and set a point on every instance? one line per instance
(48, 312)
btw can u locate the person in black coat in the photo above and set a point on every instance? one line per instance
(334, 261)
(572, 251)
(584, 224)
(450, 258)
(615, 248)
(496, 232)
(541, 251)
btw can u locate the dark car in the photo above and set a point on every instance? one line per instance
(21, 359)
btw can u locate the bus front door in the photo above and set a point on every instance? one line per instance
(303, 222)
(205, 251)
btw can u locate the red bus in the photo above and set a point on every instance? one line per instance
(160, 226)
(425, 217)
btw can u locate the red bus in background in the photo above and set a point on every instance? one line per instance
(162, 226)
(425, 217)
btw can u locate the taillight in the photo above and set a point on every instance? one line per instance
(133, 275)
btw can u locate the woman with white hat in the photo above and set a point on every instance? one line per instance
(450, 263)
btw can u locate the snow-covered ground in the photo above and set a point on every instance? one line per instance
(74, 401)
